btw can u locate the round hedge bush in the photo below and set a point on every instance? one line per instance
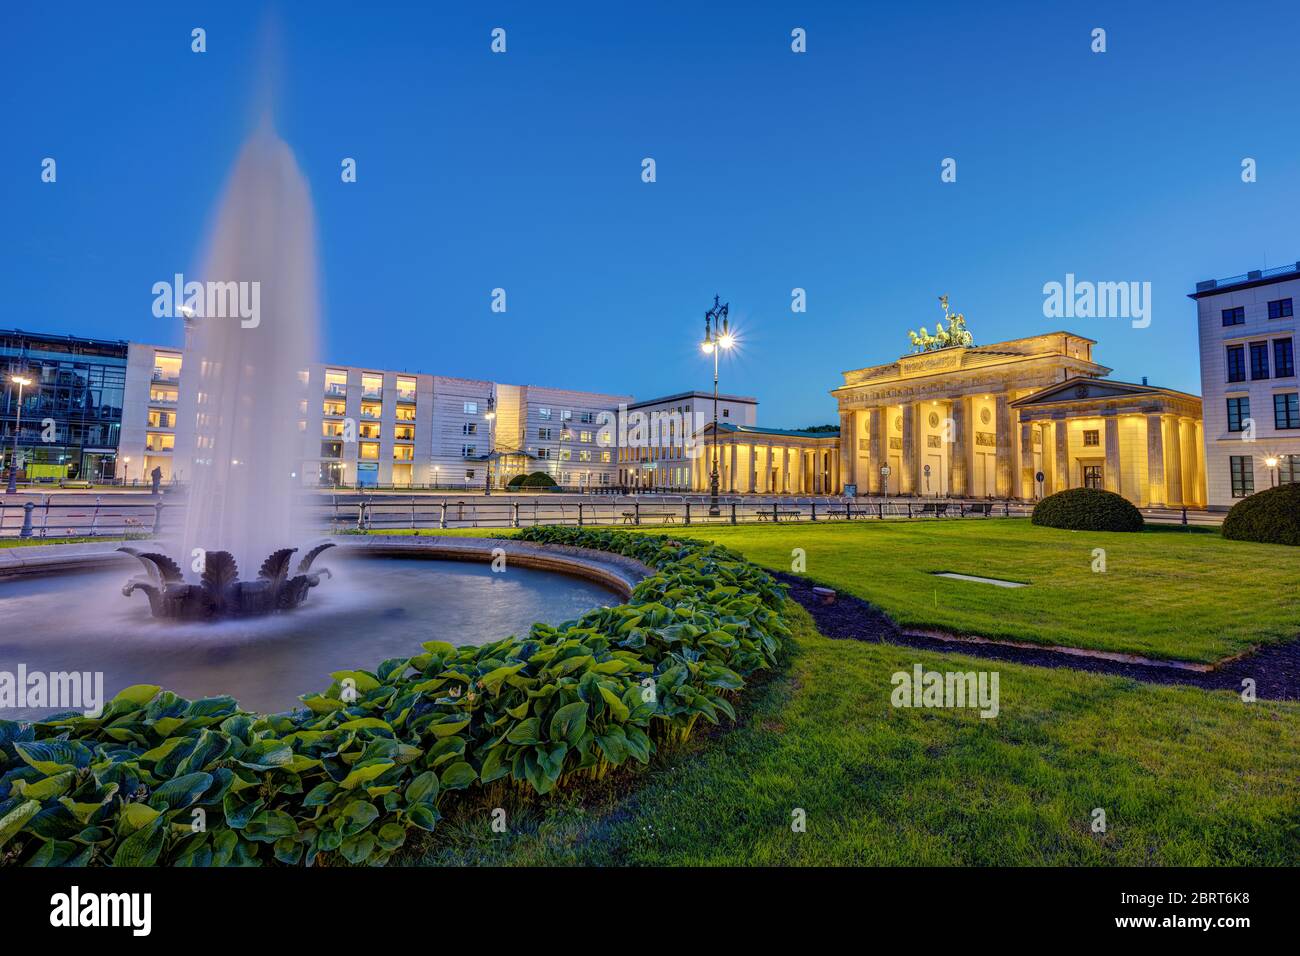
(1271, 516)
(1087, 509)
(538, 479)
(516, 481)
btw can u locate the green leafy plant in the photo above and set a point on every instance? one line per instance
(158, 779)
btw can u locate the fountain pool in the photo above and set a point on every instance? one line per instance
(379, 608)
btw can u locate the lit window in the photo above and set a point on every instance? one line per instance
(1092, 438)
(369, 450)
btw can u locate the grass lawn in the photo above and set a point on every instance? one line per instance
(32, 542)
(1185, 776)
(1166, 592)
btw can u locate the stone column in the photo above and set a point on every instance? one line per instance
(1004, 437)
(1111, 479)
(1198, 453)
(875, 450)
(733, 484)
(1027, 484)
(784, 486)
(1061, 427)
(753, 469)
(959, 447)
(907, 483)
(1175, 457)
(1190, 467)
(848, 446)
(1156, 494)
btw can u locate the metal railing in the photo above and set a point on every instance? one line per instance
(63, 516)
(388, 512)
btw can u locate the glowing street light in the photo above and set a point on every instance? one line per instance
(717, 336)
(21, 382)
(1271, 463)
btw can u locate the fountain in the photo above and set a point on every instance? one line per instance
(250, 338)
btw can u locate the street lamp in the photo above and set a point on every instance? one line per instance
(717, 336)
(20, 381)
(491, 417)
(1271, 463)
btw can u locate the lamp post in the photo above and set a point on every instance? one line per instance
(126, 470)
(1271, 463)
(491, 417)
(21, 382)
(717, 335)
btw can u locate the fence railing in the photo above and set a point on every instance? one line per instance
(108, 516)
(58, 516)
(414, 513)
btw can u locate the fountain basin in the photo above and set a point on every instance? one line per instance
(386, 599)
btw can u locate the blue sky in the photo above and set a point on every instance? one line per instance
(775, 171)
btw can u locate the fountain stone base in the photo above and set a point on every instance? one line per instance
(220, 593)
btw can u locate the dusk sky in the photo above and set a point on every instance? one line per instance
(775, 170)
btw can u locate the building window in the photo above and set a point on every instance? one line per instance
(1092, 476)
(404, 413)
(1286, 411)
(1238, 412)
(404, 432)
(1279, 309)
(369, 450)
(336, 383)
(1283, 358)
(587, 418)
(469, 474)
(469, 428)
(544, 414)
(1288, 470)
(372, 386)
(543, 434)
(1092, 438)
(333, 408)
(584, 437)
(604, 456)
(471, 408)
(405, 389)
(1236, 316)
(1243, 475)
(403, 453)
(566, 415)
(1258, 360)
(543, 453)
(468, 451)
(1236, 363)
(584, 455)
(726, 413)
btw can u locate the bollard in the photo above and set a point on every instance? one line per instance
(361, 516)
(776, 515)
(157, 516)
(814, 511)
(27, 520)
(1184, 516)
(514, 518)
(880, 508)
(442, 518)
(909, 509)
(579, 514)
(688, 512)
(733, 512)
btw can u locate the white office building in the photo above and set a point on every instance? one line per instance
(1249, 386)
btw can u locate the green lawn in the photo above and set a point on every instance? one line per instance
(1166, 592)
(33, 542)
(1185, 776)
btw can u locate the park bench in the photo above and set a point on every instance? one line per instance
(984, 508)
(938, 509)
(768, 515)
(630, 517)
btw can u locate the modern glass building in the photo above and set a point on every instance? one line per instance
(71, 411)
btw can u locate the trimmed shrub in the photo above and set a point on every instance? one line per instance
(538, 479)
(1271, 516)
(346, 776)
(516, 481)
(1087, 509)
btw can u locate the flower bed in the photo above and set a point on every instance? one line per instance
(158, 779)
